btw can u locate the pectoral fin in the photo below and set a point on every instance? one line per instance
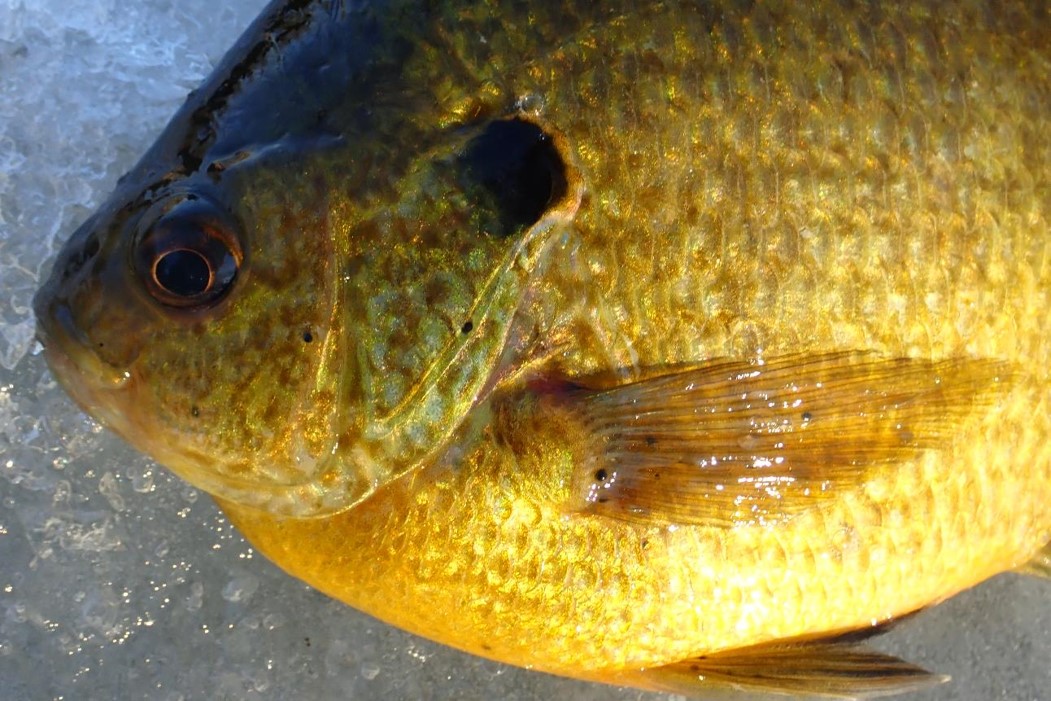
(829, 670)
(1039, 566)
(736, 442)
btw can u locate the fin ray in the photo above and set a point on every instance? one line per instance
(734, 442)
(824, 669)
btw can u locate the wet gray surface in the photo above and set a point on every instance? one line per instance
(119, 581)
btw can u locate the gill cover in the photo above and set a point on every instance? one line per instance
(421, 293)
(432, 286)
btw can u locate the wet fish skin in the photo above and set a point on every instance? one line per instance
(741, 182)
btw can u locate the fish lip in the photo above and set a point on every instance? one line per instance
(69, 353)
(101, 391)
(114, 397)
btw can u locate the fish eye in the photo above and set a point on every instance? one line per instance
(189, 256)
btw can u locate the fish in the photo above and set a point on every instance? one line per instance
(676, 345)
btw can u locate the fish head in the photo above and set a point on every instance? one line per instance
(194, 317)
(290, 301)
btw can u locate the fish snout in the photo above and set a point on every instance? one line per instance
(86, 315)
(69, 350)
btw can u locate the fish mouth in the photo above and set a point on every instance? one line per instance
(118, 398)
(98, 388)
(59, 335)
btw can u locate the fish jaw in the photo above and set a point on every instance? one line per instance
(100, 390)
(120, 399)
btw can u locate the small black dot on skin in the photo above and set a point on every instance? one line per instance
(467, 327)
(307, 337)
(807, 416)
(195, 412)
(600, 475)
(645, 544)
(307, 641)
(651, 441)
(486, 647)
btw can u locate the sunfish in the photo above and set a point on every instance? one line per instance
(669, 344)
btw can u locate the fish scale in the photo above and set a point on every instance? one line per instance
(766, 365)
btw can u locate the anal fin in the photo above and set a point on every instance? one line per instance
(1039, 566)
(823, 669)
(737, 442)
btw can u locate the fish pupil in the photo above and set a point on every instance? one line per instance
(183, 272)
